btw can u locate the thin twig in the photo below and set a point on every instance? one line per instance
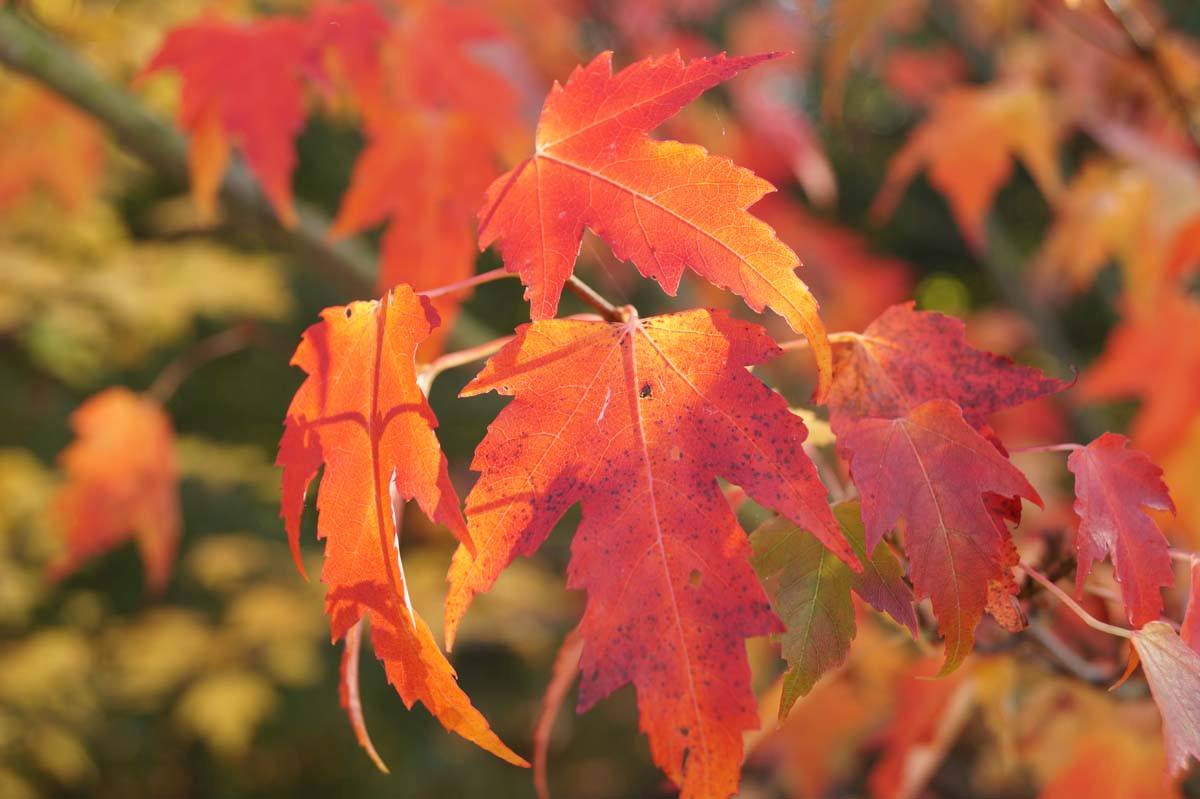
(1144, 40)
(431, 370)
(1184, 555)
(1075, 607)
(842, 337)
(499, 273)
(592, 299)
(1046, 448)
(181, 368)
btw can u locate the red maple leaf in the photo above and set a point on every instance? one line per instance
(241, 83)
(361, 413)
(635, 420)
(122, 484)
(934, 471)
(661, 205)
(1113, 486)
(906, 357)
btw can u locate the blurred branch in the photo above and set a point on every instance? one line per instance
(217, 346)
(1144, 40)
(26, 48)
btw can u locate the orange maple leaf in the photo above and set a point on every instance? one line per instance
(662, 205)
(967, 146)
(1154, 355)
(122, 483)
(361, 413)
(47, 144)
(635, 420)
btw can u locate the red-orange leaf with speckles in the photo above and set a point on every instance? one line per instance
(934, 471)
(661, 204)
(1113, 486)
(122, 484)
(361, 413)
(907, 357)
(635, 420)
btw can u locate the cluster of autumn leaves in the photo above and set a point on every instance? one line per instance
(637, 419)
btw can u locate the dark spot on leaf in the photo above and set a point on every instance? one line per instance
(646, 391)
(695, 578)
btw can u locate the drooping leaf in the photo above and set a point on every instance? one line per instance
(662, 205)
(635, 420)
(122, 484)
(1113, 487)
(1154, 356)
(241, 84)
(967, 146)
(1173, 671)
(810, 591)
(934, 471)
(907, 357)
(361, 413)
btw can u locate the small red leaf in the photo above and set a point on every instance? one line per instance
(931, 469)
(1113, 485)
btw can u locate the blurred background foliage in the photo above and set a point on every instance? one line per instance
(225, 684)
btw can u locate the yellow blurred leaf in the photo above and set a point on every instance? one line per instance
(153, 655)
(59, 752)
(223, 563)
(49, 671)
(225, 710)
